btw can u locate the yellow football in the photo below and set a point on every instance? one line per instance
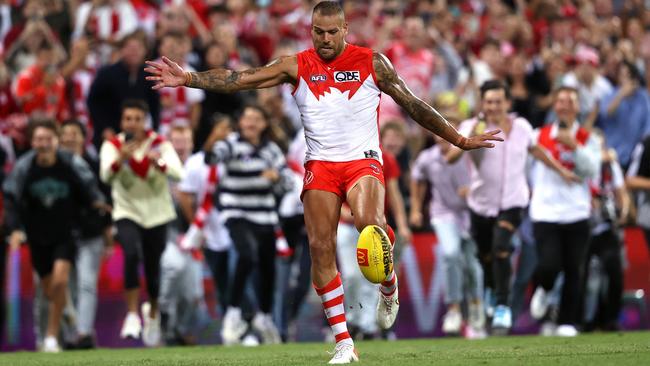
(374, 254)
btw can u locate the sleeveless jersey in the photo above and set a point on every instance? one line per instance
(339, 105)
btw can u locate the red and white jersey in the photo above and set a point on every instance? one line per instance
(339, 105)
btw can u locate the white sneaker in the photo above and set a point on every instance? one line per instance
(344, 353)
(502, 318)
(233, 327)
(476, 316)
(566, 330)
(51, 345)
(263, 323)
(387, 308)
(539, 303)
(131, 327)
(547, 329)
(452, 322)
(151, 334)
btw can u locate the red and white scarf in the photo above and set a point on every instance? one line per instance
(194, 236)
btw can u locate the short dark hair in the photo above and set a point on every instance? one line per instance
(135, 104)
(328, 8)
(495, 85)
(46, 123)
(76, 123)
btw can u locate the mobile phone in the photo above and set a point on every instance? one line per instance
(128, 136)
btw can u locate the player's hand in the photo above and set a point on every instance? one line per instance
(16, 238)
(480, 141)
(165, 74)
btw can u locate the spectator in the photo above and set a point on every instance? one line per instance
(181, 280)
(450, 220)
(638, 181)
(254, 167)
(43, 193)
(611, 206)
(195, 198)
(413, 60)
(294, 271)
(499, 190)
(592, 86)
(118, 82)
(40, 89)
(94, 237)
(179, 106)
(22, 48)
(138, 163)
(560, 209)
(625, 112)
(105, 20)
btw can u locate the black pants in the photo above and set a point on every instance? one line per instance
(143, 244)
(607, 247)
(562, 248)
(218, 264)
(492, 240)
(255, 246)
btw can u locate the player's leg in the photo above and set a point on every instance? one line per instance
(366, 199)
(322, 210)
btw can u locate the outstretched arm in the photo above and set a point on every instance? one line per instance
(170, 74)
(422, 113)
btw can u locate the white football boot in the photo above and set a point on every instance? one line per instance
(387, 308)
(151, 334)
(344, 353)
(452, 322)
(263, 323)
(132, 326)
(539, 303)
(233, 327)
(51, 345)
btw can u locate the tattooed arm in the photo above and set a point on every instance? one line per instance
(170, 74)
(422, 113)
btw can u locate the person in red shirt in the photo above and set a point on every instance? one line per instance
(40, 89)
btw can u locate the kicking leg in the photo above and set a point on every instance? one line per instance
(366, 199)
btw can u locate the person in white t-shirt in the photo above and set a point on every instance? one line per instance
(193, 192)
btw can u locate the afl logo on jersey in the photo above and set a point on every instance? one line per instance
(318, 78)
(345, 76)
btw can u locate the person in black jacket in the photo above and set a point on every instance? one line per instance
(118, 82)
(43, 195)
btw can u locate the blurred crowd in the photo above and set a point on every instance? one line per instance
(92, 155)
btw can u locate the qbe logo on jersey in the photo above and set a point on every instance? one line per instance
(346, 76)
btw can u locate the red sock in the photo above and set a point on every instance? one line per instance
(332, 298)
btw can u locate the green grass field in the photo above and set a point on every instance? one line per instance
(592, 350)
